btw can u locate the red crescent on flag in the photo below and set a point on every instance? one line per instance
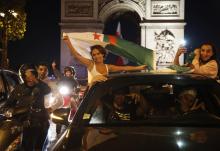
(112, 40)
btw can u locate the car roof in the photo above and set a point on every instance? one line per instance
(151, 76)
(8, 70)
(155, 73)
(132, 78)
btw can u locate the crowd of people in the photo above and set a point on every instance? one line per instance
(38, 85)
(39, 93)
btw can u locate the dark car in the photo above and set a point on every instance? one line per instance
(147, 111)
(8, 80)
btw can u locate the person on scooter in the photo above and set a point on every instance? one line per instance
(68, 74)
(68, 82)
(68, 88)
(31, 94)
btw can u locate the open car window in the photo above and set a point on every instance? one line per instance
(12, 80)
(2, 90)
(151, 101)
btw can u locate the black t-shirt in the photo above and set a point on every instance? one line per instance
(33, 97)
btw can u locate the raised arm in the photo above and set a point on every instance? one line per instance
(114, 68)
(83, 60)
(56, 72)
(179, 52)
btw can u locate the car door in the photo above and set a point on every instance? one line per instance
(2, 88)
(11, 79)
(8, 81)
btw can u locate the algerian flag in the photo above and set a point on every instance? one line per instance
(120, 60)
(129, 50)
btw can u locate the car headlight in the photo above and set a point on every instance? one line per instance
(64, 90)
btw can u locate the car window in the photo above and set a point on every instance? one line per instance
(2, 89)
(151, 101)
(12, 80)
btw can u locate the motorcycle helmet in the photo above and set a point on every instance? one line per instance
(69, 68)
(26, 67)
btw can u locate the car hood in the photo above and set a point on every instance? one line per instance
(144, 138)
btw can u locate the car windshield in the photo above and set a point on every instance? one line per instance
(153, 102)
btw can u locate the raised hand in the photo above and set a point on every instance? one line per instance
(180, 51)
(197, 52)
(53, 65)
(142, 67)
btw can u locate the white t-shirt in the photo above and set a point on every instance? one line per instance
(94, 72)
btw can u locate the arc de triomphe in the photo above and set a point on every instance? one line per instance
(162, 24)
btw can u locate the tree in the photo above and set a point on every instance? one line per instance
(12, 25)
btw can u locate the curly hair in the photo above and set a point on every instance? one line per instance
(99, 48)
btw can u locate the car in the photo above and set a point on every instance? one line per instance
(146, 111)
(8, 80)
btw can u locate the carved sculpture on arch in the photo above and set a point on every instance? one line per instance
(109, 7)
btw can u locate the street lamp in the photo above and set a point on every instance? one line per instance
(13, 13)
(2, 14)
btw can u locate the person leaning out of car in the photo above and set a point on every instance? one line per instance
(204, 62)
(96, 65)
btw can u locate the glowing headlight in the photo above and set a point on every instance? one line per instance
(64, 90)
(180, 143)
(8, 113)
(178, 132)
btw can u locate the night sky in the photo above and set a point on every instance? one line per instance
(42, 38)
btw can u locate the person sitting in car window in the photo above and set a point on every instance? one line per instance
(189, 101)
(204, 61)
(127, 106)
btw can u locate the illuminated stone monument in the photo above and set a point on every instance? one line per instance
(162, 23)
(163, 29)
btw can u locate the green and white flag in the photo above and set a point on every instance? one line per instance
(121, 47)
